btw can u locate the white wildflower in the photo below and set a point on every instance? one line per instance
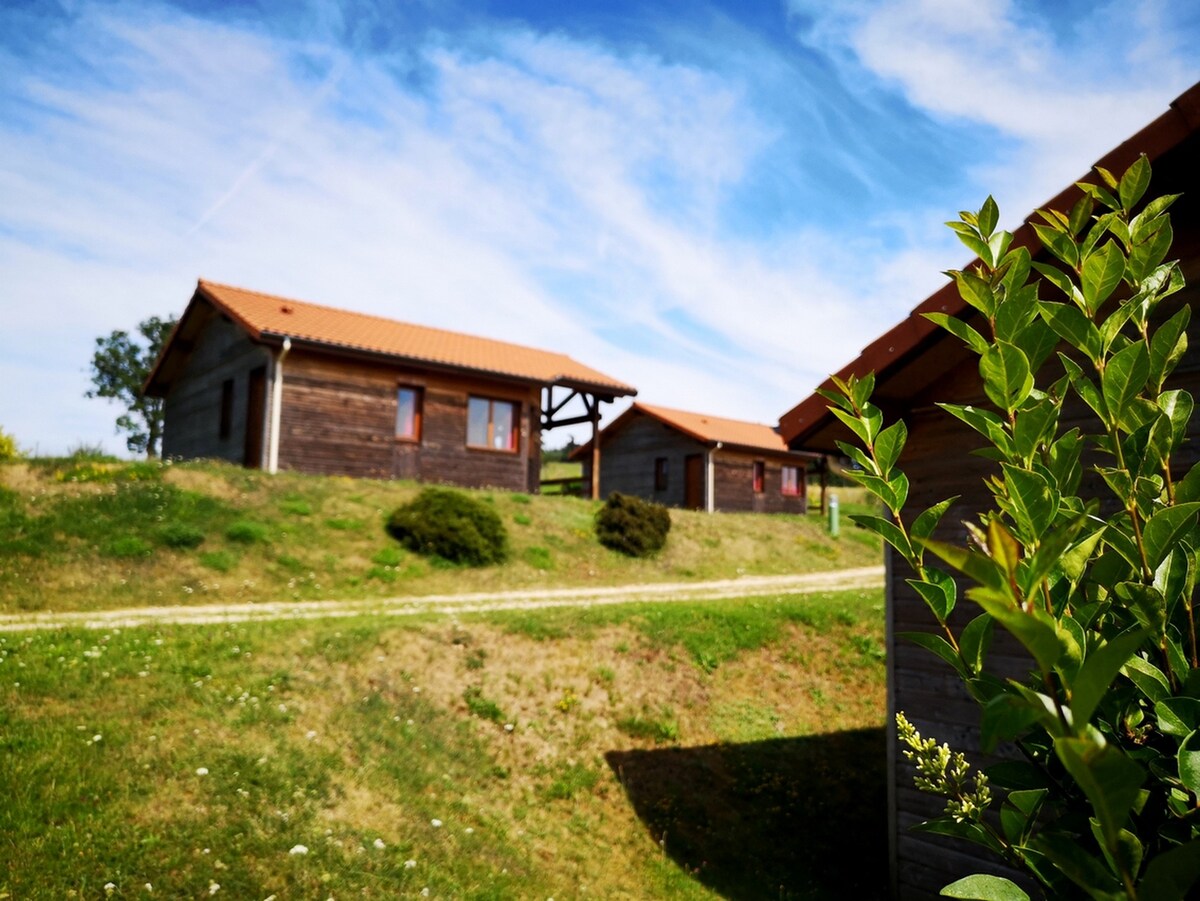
(436, 824)
(201, 771)
(379, 844)
(298, 849)
(214, 887)
(409, 864)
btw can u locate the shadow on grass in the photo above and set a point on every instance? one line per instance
(790, 818)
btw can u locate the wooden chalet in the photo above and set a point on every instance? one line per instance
(700, 462)
(273, 383)
(916, 365)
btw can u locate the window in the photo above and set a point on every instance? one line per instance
(792, 482)
(408, 413)
(225, 426)
(760, 474)
(660, 473)
(492, 424)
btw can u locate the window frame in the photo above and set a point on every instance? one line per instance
(418, 415)
(797, 488)
(759, 476)
(225, 418)
(514, 434)
(661, 473)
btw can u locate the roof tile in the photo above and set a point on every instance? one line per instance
(269, 315)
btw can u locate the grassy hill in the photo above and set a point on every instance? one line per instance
(82, 534)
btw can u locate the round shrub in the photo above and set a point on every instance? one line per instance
(632, 526)
(180, 535)
(244, 532)
(451, 525)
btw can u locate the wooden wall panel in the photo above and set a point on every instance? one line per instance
(192, 407)
(339, 417)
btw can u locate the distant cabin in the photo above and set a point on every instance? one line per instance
(272, 383)
(918, 364)
(700, 462)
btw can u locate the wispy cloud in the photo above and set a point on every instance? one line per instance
(713, 212)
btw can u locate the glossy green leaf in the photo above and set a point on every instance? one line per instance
(1165, 529)
(1148, 678)
(939, 646)
(984, 422)
(1171, 875)
(975, 640)
(1034, 505)
(975, 291)
(924, 525)
(938, 590)
(1006, 376)
(1149, 254)
(887, 530)
(1073, 326)
(1146, 602)
(1109, 778)
(1074, 862)
(1034, 427)
(1102, 271)
(971, 563)
(1126, 857)
(1168, 345)
(1058, 243)
(1134, 182)
(1189, 763)
(988, 216)
(960, 330)
(888, 445)
(1124, 377)
(1034, 629)
(982, 887)
(1099, 669)
(1178, 716)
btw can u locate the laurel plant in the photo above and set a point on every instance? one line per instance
(1087, 555)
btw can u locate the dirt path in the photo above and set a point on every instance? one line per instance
(747, 586)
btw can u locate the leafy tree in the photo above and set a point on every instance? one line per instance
(1087, 556)
(120, 366)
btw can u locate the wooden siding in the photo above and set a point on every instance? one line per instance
(627, 461)
(339, 417)
(627, 466)
(733, 484)
(192, 407)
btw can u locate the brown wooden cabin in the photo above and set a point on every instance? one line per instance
(273, 383)
(916, 365)
(700, 462)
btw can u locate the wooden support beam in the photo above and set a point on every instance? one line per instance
(594, 409)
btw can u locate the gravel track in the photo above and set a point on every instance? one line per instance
(747, 586)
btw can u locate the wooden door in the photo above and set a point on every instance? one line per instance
(256, 405)
(693, 481)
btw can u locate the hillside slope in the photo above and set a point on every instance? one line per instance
(83, 535)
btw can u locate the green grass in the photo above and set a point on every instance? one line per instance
(184, 756)
(85, 534)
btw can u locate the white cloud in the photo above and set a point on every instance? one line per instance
(537, 188)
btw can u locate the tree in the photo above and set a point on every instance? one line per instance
(120, 366)
(1088, 556)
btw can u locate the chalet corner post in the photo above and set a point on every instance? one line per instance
(276, 406)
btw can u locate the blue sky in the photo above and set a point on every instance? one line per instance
(719, 203)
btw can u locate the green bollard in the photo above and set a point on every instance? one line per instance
(833, 515)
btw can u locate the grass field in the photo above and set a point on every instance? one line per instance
(731, 749)
(85, 534)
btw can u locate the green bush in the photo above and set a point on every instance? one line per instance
(450, 525)
(632, 526)
(244, 532)
(1095, 578)
(8, 447)
(180, 535)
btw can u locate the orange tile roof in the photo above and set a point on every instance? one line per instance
(267, 315)
(704, 428)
